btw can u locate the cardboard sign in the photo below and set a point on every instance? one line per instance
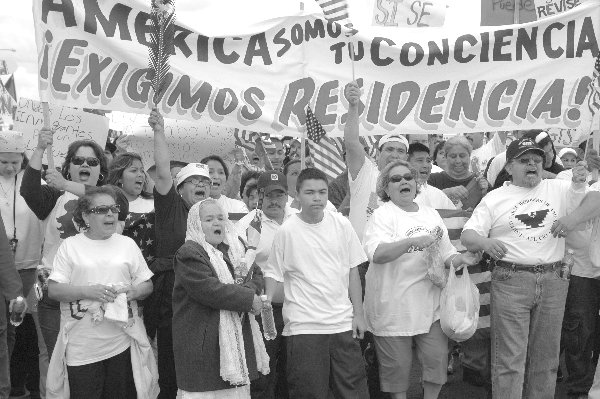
(69, 125)
(548, 8)
(409, 14)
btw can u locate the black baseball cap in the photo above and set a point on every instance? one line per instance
(272, 180)
(521, 146)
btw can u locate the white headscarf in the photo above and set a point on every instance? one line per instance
(231, 342)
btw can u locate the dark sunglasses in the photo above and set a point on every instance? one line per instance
(91, 161)
(399, 178)
(103, 209)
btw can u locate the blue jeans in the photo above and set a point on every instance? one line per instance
(526, 319)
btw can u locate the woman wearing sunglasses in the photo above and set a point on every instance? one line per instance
(84, 165)
(98, 276)
(402, 305)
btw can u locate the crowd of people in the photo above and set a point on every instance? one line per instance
(145, 281)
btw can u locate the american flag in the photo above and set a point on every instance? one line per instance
(246, 139)
(370, 144)
(337, 11)
(140, 228)
(326, 152)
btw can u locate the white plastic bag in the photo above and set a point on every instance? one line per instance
(459, 303)
(436, 269)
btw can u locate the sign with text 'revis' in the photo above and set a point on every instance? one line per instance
(547, 8)
(533, 75)
(69, 125)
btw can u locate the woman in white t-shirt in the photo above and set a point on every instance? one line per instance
(402, 304)
(98, 276)
(127, 172)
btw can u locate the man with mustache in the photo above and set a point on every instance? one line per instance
(273, 195)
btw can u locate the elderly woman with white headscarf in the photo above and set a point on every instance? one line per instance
(217, 342)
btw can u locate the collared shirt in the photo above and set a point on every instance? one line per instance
(269, 228)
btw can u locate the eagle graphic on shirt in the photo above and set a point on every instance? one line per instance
(533, 220)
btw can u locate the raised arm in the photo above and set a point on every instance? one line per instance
(164, 180)
(355, 153)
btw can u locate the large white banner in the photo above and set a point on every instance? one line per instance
(94, 54)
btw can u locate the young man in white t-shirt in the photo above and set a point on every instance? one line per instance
(517, 225)
(314, 259)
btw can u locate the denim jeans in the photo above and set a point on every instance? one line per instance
(527, 312)
(579, 329)
(4, 356)
(49, 318)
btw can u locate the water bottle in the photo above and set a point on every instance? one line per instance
(240, 272)
(567, 265)
(268, 321)
(18, 311)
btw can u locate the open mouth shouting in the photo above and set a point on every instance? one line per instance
(84, 174)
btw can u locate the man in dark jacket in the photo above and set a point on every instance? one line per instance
(11, 288)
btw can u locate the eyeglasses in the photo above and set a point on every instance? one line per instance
(103, 209)
(399, 178)
(197, 182)
(91, 161)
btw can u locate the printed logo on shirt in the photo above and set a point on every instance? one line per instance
(372, 205)
(419, 231)
(77, 311)
(532, 219)
(67, 227)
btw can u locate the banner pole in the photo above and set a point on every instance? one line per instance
(49, 153)
(303, 151)
(351, 47)
(516, 13)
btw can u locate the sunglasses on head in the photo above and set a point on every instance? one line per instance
(103, 209)
(91, 161)
(399, 178)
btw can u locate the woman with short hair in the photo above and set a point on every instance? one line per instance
(462, 186)
(98, 276)
(402, 303)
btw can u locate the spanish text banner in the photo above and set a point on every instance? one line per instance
(94, 54)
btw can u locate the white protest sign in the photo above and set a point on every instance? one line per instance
(187, 141)
(548, 8)
(69, 125)
(409, 13)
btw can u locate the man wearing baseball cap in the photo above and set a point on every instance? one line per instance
(172, 203)
(521, 226)
(362, 172)
(272, 212)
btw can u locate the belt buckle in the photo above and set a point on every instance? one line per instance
(538, 269)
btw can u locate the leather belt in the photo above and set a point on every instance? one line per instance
(540, 268)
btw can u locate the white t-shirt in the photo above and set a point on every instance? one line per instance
(436, 169)
(400, 300)
(231, 205)
(82, 261)
(522, 218)
(141, 205)
(267, 233)
(363, 198)
(30, 230)
(434, 198)
(329, 206)
(568, 175)
(59, 226)
(313, 261)
(489, 150)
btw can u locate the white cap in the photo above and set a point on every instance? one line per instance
(12, 141)
(388, 138)
(192, 169)
(565, 151)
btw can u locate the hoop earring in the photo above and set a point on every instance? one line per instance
(68, 175)
(101, 177)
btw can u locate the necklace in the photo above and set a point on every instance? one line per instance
(6, 193)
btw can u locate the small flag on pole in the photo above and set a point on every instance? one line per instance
(337, 11)
(161, 43)
(326, 152)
